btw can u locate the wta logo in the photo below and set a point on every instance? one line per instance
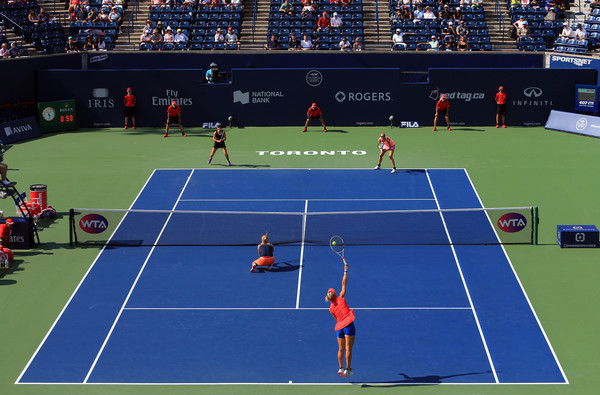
(512, 222)
(93, 223)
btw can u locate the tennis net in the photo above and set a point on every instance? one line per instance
(512, 225)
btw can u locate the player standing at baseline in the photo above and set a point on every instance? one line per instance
(386, 144)
(441, 109)
(344, 326)
(219, 138)
(500, 107)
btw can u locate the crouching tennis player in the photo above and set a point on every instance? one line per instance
(265, 253)
(344, 326)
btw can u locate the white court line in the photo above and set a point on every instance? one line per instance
(301, 254)
(487, 351)
(288, 308)
(301, 200)
(80, 283)
(521, 285)
(112, 328)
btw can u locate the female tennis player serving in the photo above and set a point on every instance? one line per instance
(344, 326)
(386, 144)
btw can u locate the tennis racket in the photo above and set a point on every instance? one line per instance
(337, 245)
(383, 147)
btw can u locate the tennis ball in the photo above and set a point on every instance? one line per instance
(333, 243)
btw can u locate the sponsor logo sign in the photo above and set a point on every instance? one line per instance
(169, 96)
(314, 78)
(100, 99)
(93, 223)
(18, 130)
(256, 97)
(512, 222)
(342, 97)
(436, 94)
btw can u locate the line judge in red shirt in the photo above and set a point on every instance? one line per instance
(129, 101)
(501, 107)
(441, 109)
(5, 230)
(344, 326)
(174, 116)
(314, 112)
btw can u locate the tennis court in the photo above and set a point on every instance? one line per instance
(436, 312)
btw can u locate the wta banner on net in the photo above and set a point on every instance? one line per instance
(569, 122)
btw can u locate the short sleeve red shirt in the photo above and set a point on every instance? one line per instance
(174, 111)
(501, 98)
(442, 105)
(324, 22)
(4, 231)
(314, 112)
(129, 100)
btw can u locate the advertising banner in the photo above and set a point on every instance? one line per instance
(574, 123)
(18, 130)
(347, 97)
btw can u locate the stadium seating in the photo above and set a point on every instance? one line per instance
(420, 32)
(325, 39)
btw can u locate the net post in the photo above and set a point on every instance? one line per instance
(71, 227)
(536, 222)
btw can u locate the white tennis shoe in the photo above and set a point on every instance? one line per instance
(348, 373)
(376, 167)
(341, 372)
(394, 171)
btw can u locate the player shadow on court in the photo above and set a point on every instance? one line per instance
(251, 166)
(279, 267)
(423, 380)
(465, 129)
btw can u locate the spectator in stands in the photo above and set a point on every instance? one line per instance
(515, 3)
(71, 45)
(81, 14)
(6, 227)
(446, 14)
(89, 44)
(396, 17)
(160, 27)
(580, 32)
(458, 16)
(103, 17)
(476, 4)
(345, 45)
(189, 5)
(448, 36)
(523, 31)
(286, 8)
(180, 37)
(306, 43)
(169, 37)
(294, 44)
(551, 15)
(336, 21)
(344, 3)
(100, 44)
(232, 38)
(146, 37)
(462, 44)
(519, 22)
(595, 4)
(418, 13)
(156, 37)
(4, 51)
(32, 17)
(434, 44)
(358, 45)
(324, 22)
(214, 3)
(465, 3)
(561, 5)
(237, 3)
(116, 17)
(428, 15)
(212, 74)
(43, 16)
(398, 40)
(308, 9)
(407, 14)
(567, 32)
(92, 14)
(157, 3)
(462, 30)
(219, 37)
(272, 43)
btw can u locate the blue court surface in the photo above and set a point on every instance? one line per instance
(427, 314)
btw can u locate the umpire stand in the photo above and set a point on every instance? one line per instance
(25, 227)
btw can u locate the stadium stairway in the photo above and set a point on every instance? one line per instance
(499, 38)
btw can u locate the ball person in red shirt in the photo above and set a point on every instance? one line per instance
(129, 101)
(441, 108)
(174, 116)
(344, 326)
(314, 112)
(501, 107)
(5, 230)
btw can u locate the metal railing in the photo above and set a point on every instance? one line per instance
(254, 19)
(133, 17)
(500, 19)
(19, 35)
